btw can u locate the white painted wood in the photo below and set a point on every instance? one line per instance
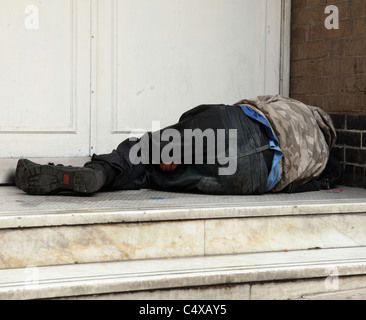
(86, 74)
(285, 48)
(157, 59)
(45, 99)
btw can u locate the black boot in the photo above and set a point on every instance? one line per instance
(39, 179)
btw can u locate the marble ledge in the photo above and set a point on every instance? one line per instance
(155, 279)
(87, 217)
(18, 210)
(170, 239)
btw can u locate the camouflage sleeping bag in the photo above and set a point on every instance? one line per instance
(306, 135)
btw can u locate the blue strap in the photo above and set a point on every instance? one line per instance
(275, 173)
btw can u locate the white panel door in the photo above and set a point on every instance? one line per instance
(45, 78)
(79, 76)
(158, 58)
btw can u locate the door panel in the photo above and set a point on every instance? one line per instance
(80, 76)
(156, 59)
(45, 82)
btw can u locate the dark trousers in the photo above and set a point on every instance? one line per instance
(252, 158)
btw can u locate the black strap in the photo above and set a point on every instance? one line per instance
(327, 180)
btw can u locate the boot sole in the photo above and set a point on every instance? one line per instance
(47, 179)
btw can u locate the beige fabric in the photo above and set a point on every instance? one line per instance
(306, 135)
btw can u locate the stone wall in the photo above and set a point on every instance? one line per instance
(328, 70)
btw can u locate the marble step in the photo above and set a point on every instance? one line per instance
(271, 275)
(352, 294)
(145, 224)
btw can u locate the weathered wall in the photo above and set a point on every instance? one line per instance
(328, 70)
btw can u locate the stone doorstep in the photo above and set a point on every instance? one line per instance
(19, 210)
(118, 226)
(333, 218)
(273, 275)
(170, 239)
(353, 294)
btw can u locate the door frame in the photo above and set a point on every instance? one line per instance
(285, 48)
